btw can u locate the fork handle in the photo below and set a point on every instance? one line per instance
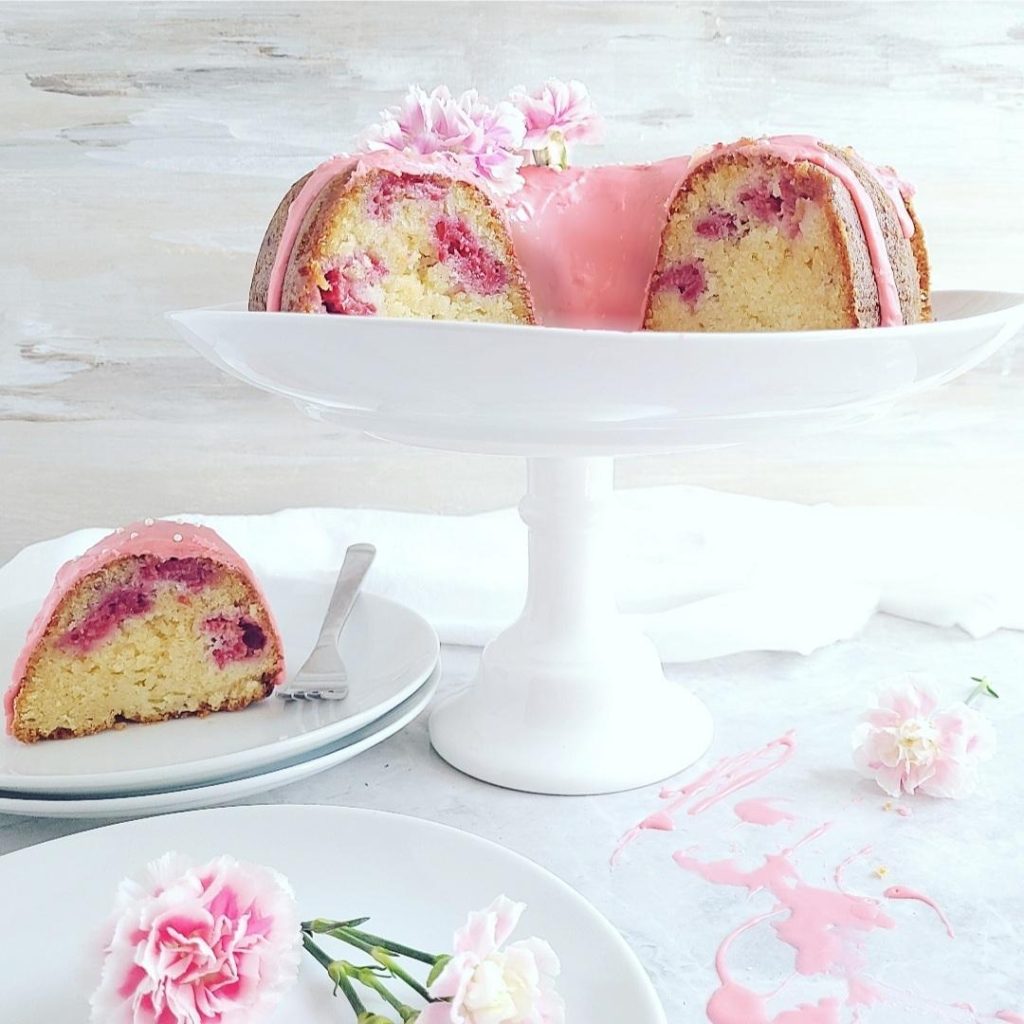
(358, 559)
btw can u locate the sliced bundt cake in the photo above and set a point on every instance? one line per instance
(380, 235)
(787, 233)
(156, 621)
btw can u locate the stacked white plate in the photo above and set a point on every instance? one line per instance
(391, 655)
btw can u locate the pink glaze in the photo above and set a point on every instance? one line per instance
(818, 924)
(761, 812)
(1008, 1016)
(732, 1003)
(153, 537)
(843, 865)
(588, 239)
(901, 892)
(903, 812)
(794, 148)
(722, 779)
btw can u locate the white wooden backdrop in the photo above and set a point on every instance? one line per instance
(143, 147)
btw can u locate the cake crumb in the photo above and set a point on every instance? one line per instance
(881, 871)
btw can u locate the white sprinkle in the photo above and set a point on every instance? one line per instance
(177, 538)
(148, 522)
(132, 535)
(120, 529)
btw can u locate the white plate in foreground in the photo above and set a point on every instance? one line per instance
(388, 650)
(235, 787)
(416, 879)
(523, 390)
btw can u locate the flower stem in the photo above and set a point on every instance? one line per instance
(320, 924)
(393, 947)
(370, 980)
(381, 956)
(338, 972)
(984, 688)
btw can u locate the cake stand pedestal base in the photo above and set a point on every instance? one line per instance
(570, 699)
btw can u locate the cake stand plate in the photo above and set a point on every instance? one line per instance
(570, 699)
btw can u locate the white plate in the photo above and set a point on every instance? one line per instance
(235, 787)
(556, 391)
(388, 650)
(416, 879)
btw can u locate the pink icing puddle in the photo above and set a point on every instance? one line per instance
(460, 250)
(233, 639)
(761, 812)
(901, 892)
(820, 925)
(685, 278)
(722, 779)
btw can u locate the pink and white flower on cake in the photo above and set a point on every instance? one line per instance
(218, 942)
(460, 131)
(487, 982)
(908, 744)
(556, 114)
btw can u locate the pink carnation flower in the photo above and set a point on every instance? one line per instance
(484, 983)
(558, 107)
(908, 744)
(216, 944)
(463, 133)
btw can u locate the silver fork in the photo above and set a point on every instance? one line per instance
(323, 675)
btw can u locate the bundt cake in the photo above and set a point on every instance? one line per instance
(156, 621)
(786, 234)
(466, 212)
(379, 235)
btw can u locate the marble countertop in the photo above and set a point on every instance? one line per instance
(145, 146)
(963, 854)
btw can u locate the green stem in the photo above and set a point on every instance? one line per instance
(370, 980)
(393, 947)
(319, 924)
(336, 970)
(983, 687)
(382, 957)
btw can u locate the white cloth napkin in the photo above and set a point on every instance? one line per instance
(703, 573)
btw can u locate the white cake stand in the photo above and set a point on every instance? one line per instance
(571, 699)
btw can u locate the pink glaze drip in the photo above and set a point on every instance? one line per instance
(761, 812)
(156, 538)
(901, 892)
(1008, 1016)
(793, 148)
(818, 924)
(732, 1003)
(721, 780)
(844, 864)
(588, 240)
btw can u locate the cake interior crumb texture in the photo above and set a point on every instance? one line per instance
(142, 640)
(408, 246)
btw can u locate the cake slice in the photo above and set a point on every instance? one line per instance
(380, 235)
(158, 620)
(788, 233)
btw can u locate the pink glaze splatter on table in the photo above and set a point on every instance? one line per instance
(761, 812)
(1008, 1016)
(722, 779)
(844, 864)
(901, 892)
